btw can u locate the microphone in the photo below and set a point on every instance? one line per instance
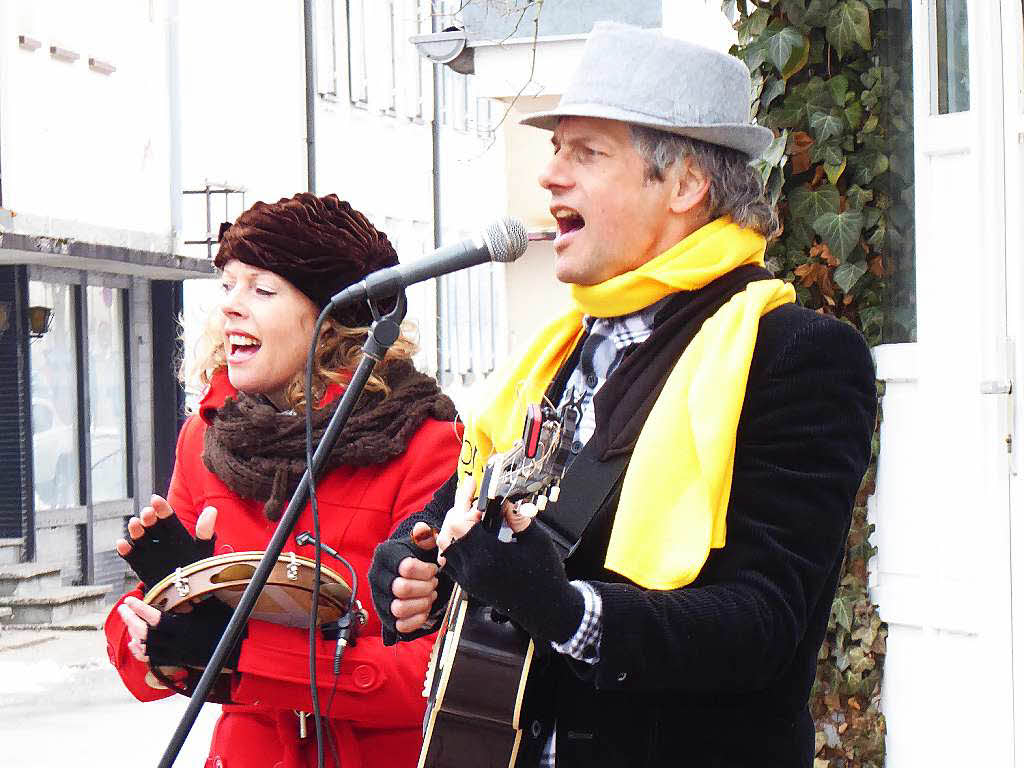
(503, 241)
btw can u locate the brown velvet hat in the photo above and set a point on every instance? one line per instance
(318, 244)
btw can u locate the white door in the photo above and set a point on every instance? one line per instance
(1013, 144)
(943, 576)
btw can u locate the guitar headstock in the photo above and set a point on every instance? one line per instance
(528, 474)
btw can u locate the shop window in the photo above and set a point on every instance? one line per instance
(55, 444)
(107, 402)
(951, 73)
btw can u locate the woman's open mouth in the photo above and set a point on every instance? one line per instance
(241, 347)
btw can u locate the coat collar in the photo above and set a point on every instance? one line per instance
(220, 389)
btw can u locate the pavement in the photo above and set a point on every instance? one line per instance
(62, 704)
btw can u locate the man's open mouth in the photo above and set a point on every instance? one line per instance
(568, 221)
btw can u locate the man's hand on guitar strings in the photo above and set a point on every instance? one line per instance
(524, 578)
(160, 543)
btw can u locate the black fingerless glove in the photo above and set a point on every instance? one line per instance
(524, 578)
(190, 638)
(163, 547)
(384, 571)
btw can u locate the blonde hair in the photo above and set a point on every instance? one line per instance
(338, 352)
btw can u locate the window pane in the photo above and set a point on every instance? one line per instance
(54, 400)
(952, 75)
(357, 82)
(326, 51)
(109, 437)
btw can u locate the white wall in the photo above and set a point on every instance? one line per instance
(80, 146)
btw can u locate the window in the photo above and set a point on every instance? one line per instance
(951, 74)
(358, 90)
(55, 454)
(327, 48)
(107, 403)
(393, 36)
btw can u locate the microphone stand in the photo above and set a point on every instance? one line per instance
(383, 333)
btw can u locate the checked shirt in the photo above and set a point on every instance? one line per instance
(607, 341)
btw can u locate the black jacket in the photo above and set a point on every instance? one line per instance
(718, 673)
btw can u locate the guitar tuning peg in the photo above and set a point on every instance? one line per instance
(553, 494)
(542, 503)
(527, 509)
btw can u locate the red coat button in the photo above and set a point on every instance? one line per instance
(364, 676)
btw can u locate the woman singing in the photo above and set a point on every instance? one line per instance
(240, 458)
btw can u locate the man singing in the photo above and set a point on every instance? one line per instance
(724, 434)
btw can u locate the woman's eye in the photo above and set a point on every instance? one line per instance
(226, 287)
(264, 291)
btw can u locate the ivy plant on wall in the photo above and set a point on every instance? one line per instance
(832, 78)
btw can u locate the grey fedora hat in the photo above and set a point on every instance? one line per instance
(642, 76)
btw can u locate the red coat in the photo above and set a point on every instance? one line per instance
(377, 710)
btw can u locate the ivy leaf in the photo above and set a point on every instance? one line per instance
(840, 231)
(839, 86)
(826, 125)
(835, 171)
(798, 60)
(772, 90)
(871, 216)
(853, 114)
(795, 10)
(753, 26)
(849, 273)
(808, 204)
(788, 114)
(858, 197)
(849, 23)
(870, 165)
(829, 153)
(817, 12)
(776, 149)
(781, 45)
(753, 55)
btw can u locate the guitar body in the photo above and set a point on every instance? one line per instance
(477, 675)
(478, 687)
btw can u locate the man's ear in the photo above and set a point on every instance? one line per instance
(690, 187)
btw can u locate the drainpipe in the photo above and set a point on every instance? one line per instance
(174, 122)
(435, 144)
(307, 20)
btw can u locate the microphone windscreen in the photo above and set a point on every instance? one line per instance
(506, 239)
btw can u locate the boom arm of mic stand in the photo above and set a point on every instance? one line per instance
(383, 333)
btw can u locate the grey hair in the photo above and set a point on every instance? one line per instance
(735, 189)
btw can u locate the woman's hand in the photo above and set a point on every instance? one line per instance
(138, 618)
(160, 543)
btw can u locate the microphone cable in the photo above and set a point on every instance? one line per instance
(315, 603)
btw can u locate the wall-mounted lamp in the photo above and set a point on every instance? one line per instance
(448, 47)
(28, 43)
(103, 67)
(63, 54)
(5, 317)
(39, 321)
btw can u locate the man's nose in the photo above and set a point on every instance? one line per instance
(554, 175)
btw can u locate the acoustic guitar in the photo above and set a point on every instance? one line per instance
(478, 668)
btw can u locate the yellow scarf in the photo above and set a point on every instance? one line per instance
(676, 491)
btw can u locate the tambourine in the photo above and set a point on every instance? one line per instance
(286, 599)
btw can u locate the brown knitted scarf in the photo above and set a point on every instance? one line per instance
(260, 453)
